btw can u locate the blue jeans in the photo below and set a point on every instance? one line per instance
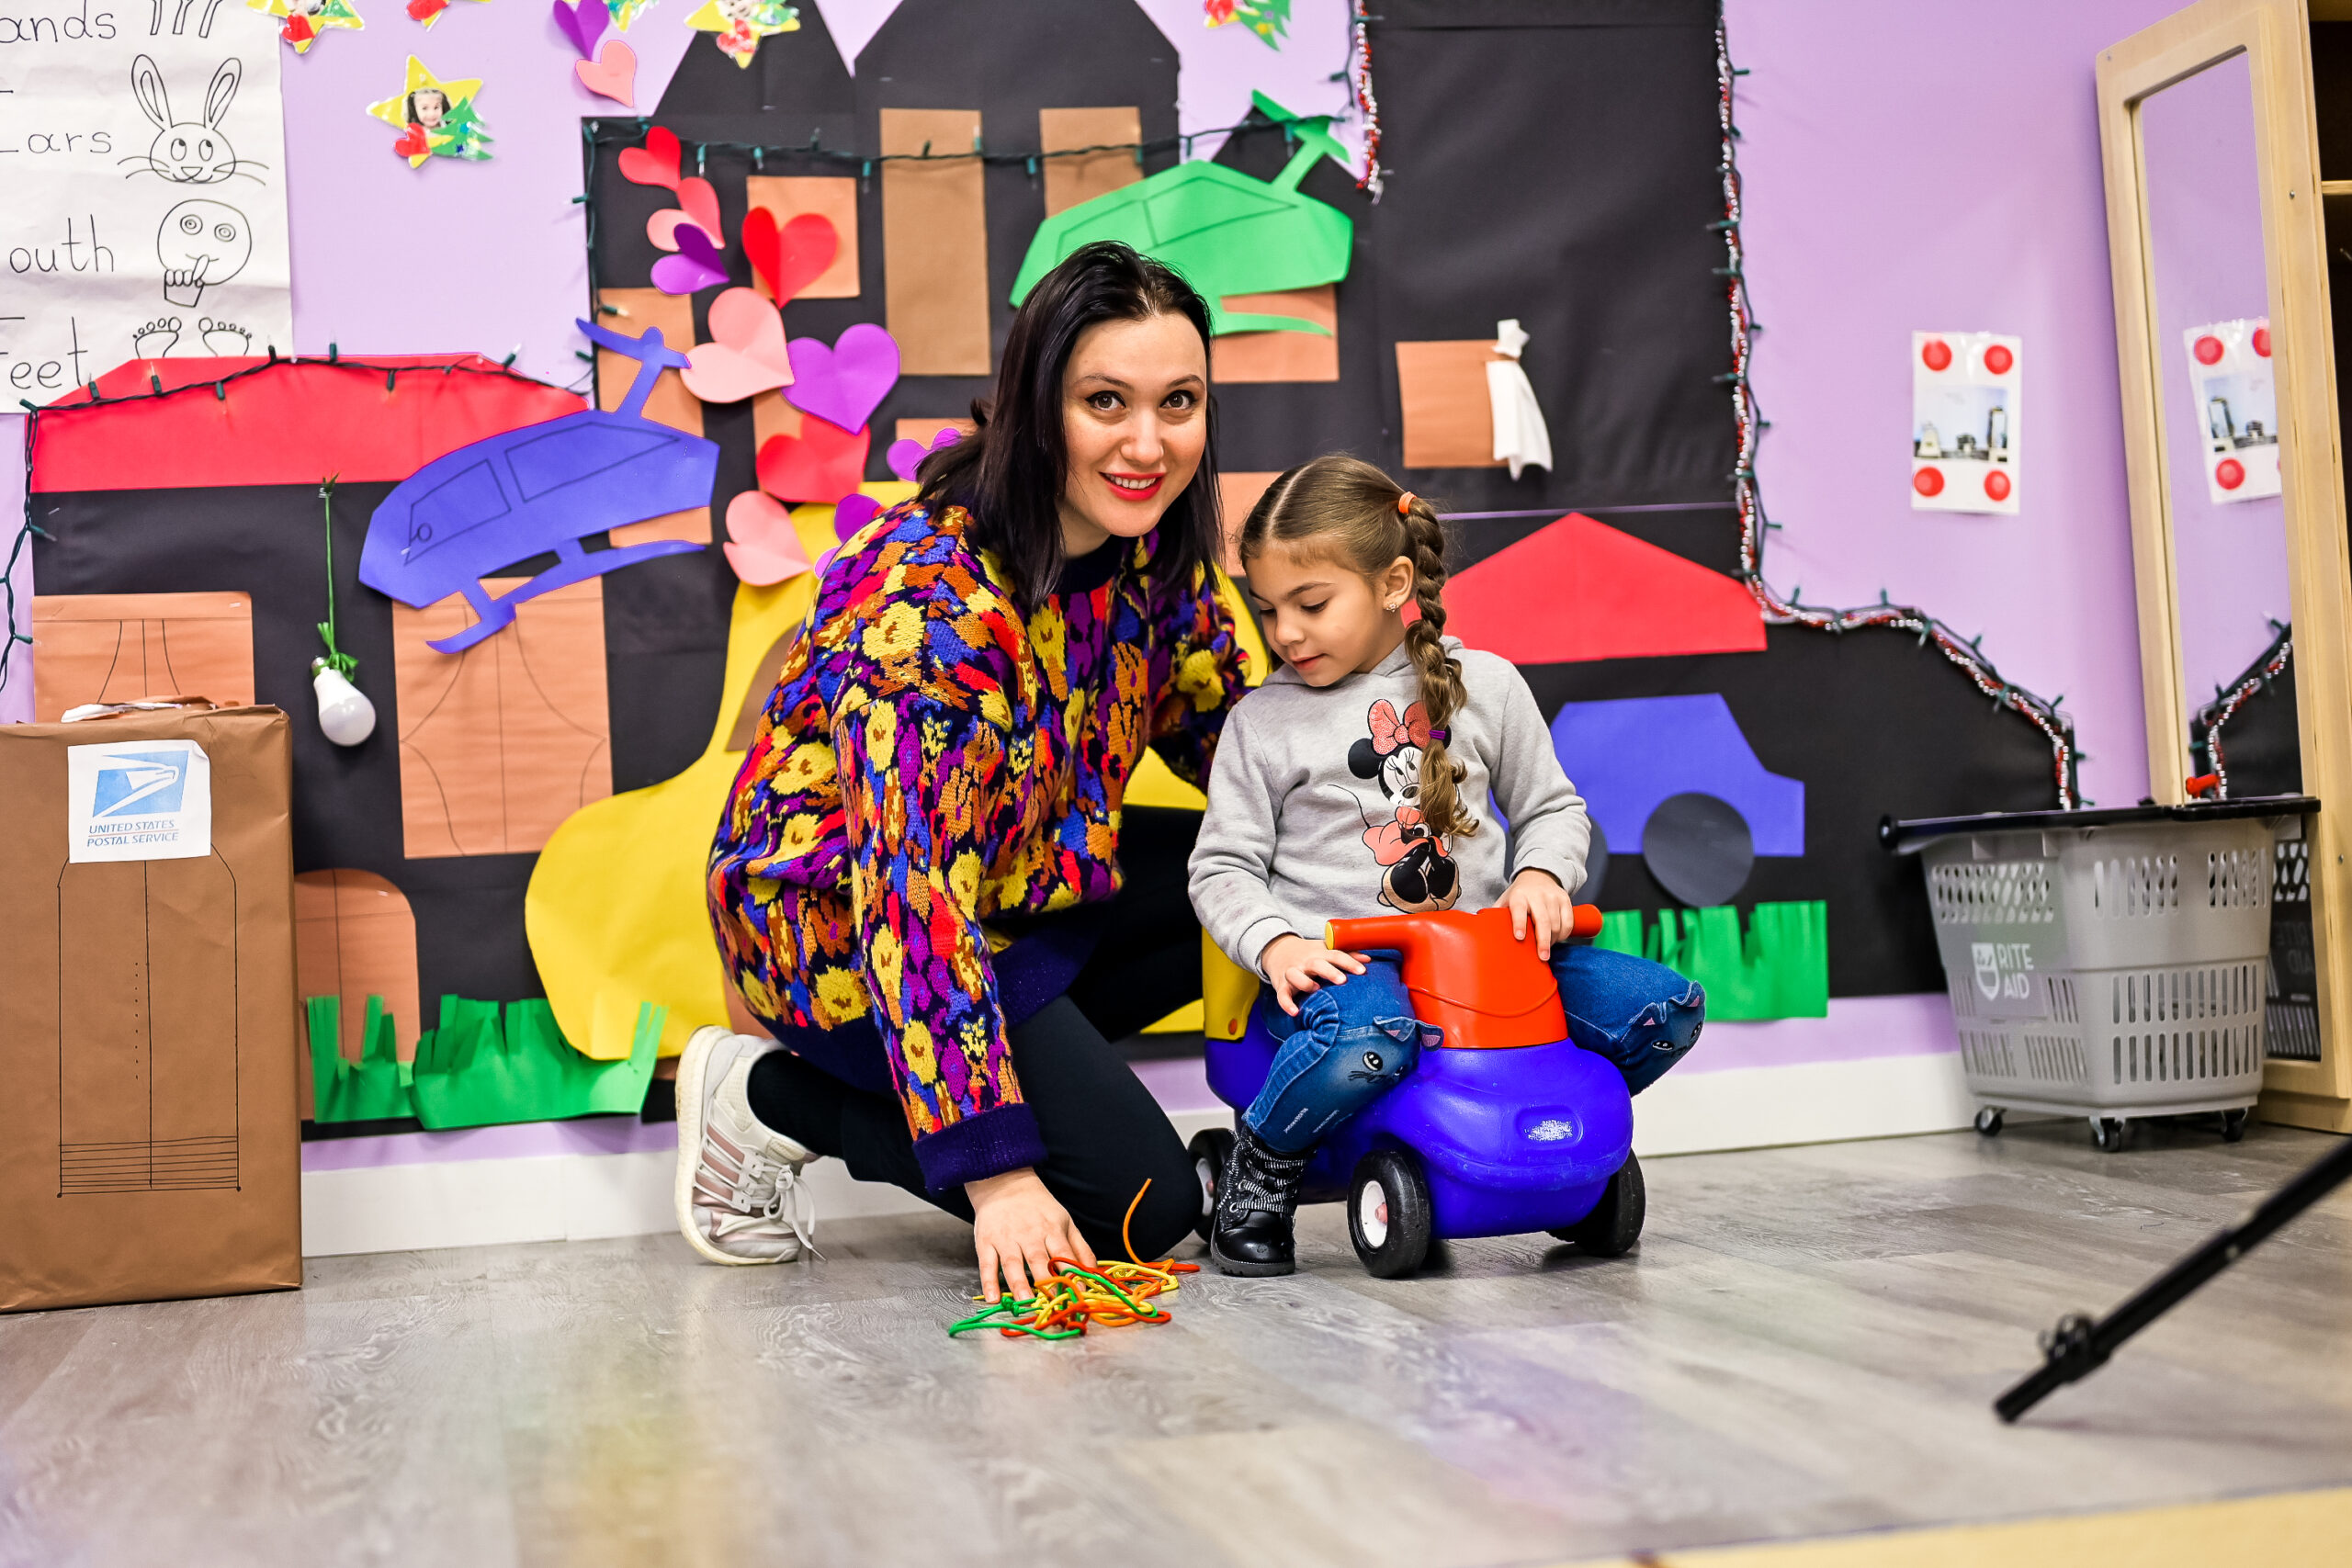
(1352, 1043)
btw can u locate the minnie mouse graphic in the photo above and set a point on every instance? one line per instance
(1420, 875)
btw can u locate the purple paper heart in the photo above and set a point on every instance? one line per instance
(906, 457)
(698, 265)
(844, 384)
(583, 24)
(852, 512)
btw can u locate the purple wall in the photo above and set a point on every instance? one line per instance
(1931, 167)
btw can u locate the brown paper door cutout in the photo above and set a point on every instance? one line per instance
(500, 743)
(1449, 422)
(355, 938)
(632, 310)
(1082, 176)
(1236, 494)
(935, 244)
(115, 648)
(146, 1026)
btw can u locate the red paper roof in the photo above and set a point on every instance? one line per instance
(248, 421)
(1580, 590)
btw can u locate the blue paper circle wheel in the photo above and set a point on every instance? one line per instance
(1595, 868)
(1698, 849)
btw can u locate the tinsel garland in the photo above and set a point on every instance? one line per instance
(2205, 728)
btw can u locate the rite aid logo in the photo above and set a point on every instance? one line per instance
(142, 800)
(2004, 970)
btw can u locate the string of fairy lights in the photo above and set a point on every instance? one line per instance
(1790, 610)
(2206, 727)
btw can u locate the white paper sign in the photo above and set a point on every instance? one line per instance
(2237, 407)
(1965, 420)
(142, 194)
(138, 800)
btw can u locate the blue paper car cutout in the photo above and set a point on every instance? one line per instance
(1628, 757)
(544, 487)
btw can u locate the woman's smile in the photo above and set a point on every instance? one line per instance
(1135, 487)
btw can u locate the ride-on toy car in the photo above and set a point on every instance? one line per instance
(1506, 1127)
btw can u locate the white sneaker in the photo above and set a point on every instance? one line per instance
(739, 1196)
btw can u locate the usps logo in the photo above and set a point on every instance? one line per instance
(138, 800)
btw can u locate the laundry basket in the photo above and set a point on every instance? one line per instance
(2110, 964)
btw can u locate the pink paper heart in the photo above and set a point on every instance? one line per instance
(613, 73)
(655, 163)
(766, 547)
(696, 265)
(906, 457)
(746, 356)
(701, 209)
(845, 383)
(583, 24)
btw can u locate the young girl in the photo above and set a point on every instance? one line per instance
(1351, 784)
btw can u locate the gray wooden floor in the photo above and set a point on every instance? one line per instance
(1806, 1343)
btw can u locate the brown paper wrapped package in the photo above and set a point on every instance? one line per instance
(150, 1142)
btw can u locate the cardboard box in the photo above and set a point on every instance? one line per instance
(150, 1141)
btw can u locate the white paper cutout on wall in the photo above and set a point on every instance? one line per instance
(146, 209)
(1521, 438)
(2237, 407)
(1965, 422)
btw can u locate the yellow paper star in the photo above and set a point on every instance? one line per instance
(301, 21)
(449, 130)
(741, 24)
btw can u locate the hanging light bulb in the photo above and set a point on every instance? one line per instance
(345, 715)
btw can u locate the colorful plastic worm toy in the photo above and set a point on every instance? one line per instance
(1074, 1297)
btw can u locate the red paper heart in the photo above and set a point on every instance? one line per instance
(788, 260)
(655, 163)
(824, 462)
(411, 143)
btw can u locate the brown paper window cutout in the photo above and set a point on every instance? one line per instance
(500, 743)
(1082, 176)
(355, 938)
(147, 1029)
(1236, 494)
(1448, 420)
(1280, 356)
(831, 197)
(632, 310)
(115, 648)
(927, 430)
(935, 244)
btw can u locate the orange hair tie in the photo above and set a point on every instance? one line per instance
(1405, 503)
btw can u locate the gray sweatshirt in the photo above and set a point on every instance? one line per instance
(1311, 816)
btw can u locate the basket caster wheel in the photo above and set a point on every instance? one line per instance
(1615, 1223)
(1210, 1149)
(1988, 1122)
(2234, 1124)
(1389, 1214)
(2108, 1133)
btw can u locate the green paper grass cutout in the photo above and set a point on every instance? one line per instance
(1225, 231)
(1778, 968)
(482, 1065)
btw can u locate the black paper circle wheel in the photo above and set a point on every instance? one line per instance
(1698, 849)
(1595, 868)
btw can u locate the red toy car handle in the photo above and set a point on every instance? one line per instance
(1467, 974)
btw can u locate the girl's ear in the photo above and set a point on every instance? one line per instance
(1363, 761)
(1397, 584)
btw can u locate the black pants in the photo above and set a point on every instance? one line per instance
(1103, 1133)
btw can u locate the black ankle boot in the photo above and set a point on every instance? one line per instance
(1255, 1196)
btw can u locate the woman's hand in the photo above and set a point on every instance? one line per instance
(1018, 1230)
(1536, 898)
(1299, 967)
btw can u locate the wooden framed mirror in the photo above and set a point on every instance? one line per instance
(2217, 230)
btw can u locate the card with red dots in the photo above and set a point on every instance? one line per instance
(2233, 413)
(1965, 422)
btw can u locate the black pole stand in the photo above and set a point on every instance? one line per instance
(2078, 1346)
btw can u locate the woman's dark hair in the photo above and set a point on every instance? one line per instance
(1010, 475)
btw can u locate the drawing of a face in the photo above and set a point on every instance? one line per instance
(201, 243)
(428, 107)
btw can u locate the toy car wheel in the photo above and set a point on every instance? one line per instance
(2108, 1133)
(2234, 1124)
(1389, 1214)
(1988, 1121)
(1209, 1149)
(1615, 1223)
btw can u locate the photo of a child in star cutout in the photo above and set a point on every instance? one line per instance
(437, 119)
(300, 22)
(1417, 873)
(741, 24)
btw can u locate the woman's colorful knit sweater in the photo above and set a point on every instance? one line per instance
(929, 759)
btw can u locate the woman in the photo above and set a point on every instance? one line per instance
(948, 745)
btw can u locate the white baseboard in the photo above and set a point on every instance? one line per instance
(578, 1197)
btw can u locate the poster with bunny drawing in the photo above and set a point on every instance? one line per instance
(145, 165)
